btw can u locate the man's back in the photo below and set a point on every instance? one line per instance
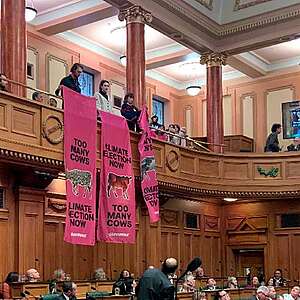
(154, 285)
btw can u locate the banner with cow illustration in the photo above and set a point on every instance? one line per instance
(80, 128)
(116, 215)
(147, 165)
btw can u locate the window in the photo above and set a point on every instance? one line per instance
(86, 81)
(2, 200)
(191, 220)
(30, 71)
(158, 109)
(117, 101)
(290, 220)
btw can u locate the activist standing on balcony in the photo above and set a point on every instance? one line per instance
(102, 98)
(71, 81)
(130, 112)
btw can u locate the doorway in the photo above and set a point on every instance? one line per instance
(249, 261)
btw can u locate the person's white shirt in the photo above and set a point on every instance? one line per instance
(67, 298)
(102, 103)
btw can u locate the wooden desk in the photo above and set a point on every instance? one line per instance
(185, 296)
(103, 286)
(36, 289)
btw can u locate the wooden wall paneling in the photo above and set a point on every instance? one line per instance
(186, 249)
(100, 258)
(282, 247)
(31, 229)
(52, 250)
(295, 263)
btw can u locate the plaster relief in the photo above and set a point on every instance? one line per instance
(207, 3)
(242, 4)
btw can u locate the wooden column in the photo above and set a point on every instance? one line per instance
(136, 17)
(214, 98)
(13, 42)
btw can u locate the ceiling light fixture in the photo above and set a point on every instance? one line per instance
(30, 12)
(193, 90)
(123, 60)
(230, 199)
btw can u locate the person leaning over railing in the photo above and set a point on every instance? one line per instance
(3, 83)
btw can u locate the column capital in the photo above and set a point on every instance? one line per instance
(213, 59)
(135, 14)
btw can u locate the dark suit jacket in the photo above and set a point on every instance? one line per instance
(62, 297)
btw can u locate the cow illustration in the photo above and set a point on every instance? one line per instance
(80, 178)
(115, 182)
(147, 165)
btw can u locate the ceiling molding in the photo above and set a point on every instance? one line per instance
(207, 3)
(238, 5)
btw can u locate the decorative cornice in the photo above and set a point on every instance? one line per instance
(189, 191)
(213, 59)
(135, 14)
(29, 158)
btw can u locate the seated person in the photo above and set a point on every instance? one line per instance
(154, 122)
(272, 292)
(5, 291)
(223, 295)
(32, 275)
(99, 274)
(161, 134)
(69, 291)
(294, 295)
(277, 280)
(189, 282)
(262, 293)
(232, 283)
(58, 276)
(53, 102)
(130, 112)
(37, 96)
(183, 136)
(272, 143)
(71, 81)
(124, 284)
(3, 83)
(211, 284)
(199, 272)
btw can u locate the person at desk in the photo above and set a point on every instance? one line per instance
(211, 285)
(154, 284)
(69, 291)
(272, 143)
(5, 291)
(277, 280)
(294, 295)
(232, 283)
(262, 293)
(32, 275)
(59, 275)
(124, 285)
(223, 295)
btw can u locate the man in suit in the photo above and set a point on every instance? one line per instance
(69, 291)
(262, 293)
(155, 285)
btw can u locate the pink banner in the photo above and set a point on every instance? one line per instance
(80, 128)
(148, 172)
(117, 193)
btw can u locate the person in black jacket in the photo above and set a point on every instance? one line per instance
(69, 291)
(130, 112)
(124, 284)
(272, 143)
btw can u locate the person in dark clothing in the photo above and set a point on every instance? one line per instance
(124, 284)
(71, 81)
(277, 280)
(155, 285)
(272, 143)
(154, 122)
(69, 291)
(130, 112)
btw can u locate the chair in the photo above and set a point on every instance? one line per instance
(49, 297)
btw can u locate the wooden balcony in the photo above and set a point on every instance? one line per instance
(32, 136)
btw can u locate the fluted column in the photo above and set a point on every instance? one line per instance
(214, 99)
(136, 17)
(13, 42)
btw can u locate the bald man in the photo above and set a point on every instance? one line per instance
(32, 275)
(155, 285)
